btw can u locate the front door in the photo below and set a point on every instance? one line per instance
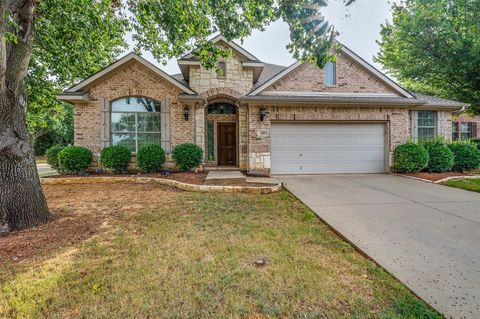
(227, 143)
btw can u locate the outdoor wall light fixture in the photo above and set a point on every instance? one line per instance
(186, 112)
(263, 113)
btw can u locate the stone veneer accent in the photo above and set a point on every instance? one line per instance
(236, 77)
(351, 77)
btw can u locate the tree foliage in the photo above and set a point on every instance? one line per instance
(171, 28)
(73, 40)
(433, 47)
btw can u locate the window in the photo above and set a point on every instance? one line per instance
(455, 131)
(136, 122)
(465, 130)
(222, 108)
(426, 125)
(222, 69)
(211, 140)
(330, 74)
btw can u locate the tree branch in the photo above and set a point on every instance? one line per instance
(18, 54)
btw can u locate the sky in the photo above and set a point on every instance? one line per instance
(358, 24)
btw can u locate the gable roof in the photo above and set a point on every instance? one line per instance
(385, 79)
(129, 57)
(231, 44)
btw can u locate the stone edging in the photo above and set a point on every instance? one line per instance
(456, 177)
(440, 180)
(167, 182)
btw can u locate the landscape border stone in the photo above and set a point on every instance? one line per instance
(160, 181)
(440, 180)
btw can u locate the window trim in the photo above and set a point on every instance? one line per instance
(334, 70)
(136, 132)
(455, 125)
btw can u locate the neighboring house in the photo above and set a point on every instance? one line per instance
(465, 127)
(259, 117)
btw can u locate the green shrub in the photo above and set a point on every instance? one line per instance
(150, 158)
(52, 156)
(466, 154)
(440, 157)
(410, 158)
(115, 158)
(75, 159)
(187, 156)
(476, 141)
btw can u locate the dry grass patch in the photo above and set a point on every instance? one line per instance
(192, 255)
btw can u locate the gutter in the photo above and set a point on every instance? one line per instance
(362, 101)
(322, 100)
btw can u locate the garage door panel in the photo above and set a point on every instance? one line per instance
(327, 148)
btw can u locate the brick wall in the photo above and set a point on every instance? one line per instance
(465, 118)
(132, 79)
(351, 78)
(398, 120)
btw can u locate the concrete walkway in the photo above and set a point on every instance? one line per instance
(45, 169)
(427, 235)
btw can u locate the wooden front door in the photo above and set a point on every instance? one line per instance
(227, 143)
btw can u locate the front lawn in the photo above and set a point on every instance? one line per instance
(467, 184)
(138, 251)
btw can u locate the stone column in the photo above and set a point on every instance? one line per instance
(200, 127)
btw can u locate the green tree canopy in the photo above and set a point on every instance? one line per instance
(433, 47)
(73, 40)
(171, 28)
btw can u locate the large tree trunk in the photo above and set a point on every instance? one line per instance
(22, 203)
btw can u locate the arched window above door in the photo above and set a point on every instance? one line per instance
(222, 108)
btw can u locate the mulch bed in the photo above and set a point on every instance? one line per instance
(438, 176)
(184, 177)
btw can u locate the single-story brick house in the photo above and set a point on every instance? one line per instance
(259, 117)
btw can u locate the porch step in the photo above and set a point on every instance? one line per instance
(222, 177)
(221, 168)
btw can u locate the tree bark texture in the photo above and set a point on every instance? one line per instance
(22, 202)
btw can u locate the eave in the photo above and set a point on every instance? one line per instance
(77, 97)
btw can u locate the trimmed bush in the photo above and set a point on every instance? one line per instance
(467, 156)
(440, 157)
(75, 159)
(52, 156)
(116, 158)
(187, 156)
(476, 141)
(410, 158)
(150, 158)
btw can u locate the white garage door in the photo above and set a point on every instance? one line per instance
(313, 148)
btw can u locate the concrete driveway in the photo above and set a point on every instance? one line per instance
(427, 235)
